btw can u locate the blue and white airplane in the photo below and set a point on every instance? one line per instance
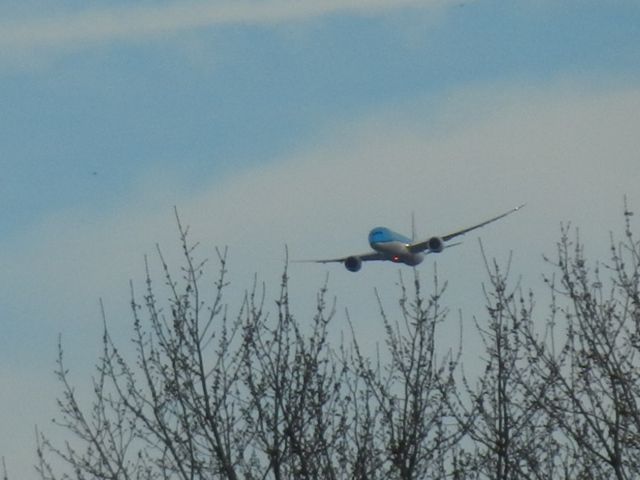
(391, 246)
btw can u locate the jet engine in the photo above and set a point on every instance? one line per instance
(353, 264)
(436, 245)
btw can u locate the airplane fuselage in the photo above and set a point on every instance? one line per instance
(393, 246)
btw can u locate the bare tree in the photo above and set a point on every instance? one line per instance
(208, 396)
(594, 377)
(561, 402)
(169, 413)
(512, 436)
(254, 395)
(262, 394)
(296, 408)
(416, 429)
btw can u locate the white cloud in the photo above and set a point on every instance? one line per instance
(77, 30)
(570, 154)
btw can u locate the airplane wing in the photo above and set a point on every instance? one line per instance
(421, 246)
(365, 257)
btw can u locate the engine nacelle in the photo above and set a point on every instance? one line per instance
(353, 264)
(436, 245)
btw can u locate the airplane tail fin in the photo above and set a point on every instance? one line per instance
(413, 226)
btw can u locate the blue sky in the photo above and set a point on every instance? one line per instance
(291, 122)
(121, 107)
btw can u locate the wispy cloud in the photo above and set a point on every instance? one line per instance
(483, 152)
(89, 27)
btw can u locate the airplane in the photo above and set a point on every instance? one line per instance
(390, 246)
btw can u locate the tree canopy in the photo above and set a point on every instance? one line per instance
(263, 395)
